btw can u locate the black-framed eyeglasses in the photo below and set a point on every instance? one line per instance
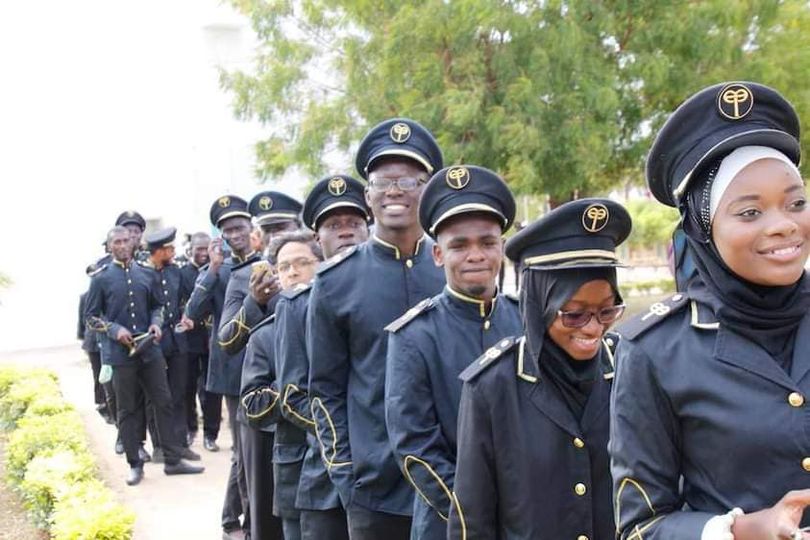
(578, 319)
(406, 183)
(299, 264)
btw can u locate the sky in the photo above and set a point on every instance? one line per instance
(107, 106)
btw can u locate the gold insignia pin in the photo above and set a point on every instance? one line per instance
(735, 101)
(336, 186)
(595, 217)
(224, 202)
(400, 132)
(265, 203)
(457, 177)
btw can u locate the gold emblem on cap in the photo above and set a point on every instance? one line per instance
(224, 202)
(595, 217)
(336, 186)
(735, 101)
(400, 132)
(457, 177)
(266, 203)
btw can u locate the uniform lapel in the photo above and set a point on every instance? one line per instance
(801, 357)
(733, 349)
(597, 404)
(545, 397)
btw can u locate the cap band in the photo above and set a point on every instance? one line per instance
(341, 204)
(465, 209)
(738, 160)
(601, 254)
(404, 153)
(235, 213)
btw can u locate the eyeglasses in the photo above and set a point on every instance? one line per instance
(406, 183)
(578, 319)
(298, 264)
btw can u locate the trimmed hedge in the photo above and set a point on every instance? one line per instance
(49, 464)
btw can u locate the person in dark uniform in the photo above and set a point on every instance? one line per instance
(275, 212)
(723, 364)
(466, 209)
(533, 419)
(336, 211)
(230, 215)
(197, 339)
(354, 296)
(136, 225)
(172, 289)
(278, 452)
(124, 303)
(90, 346)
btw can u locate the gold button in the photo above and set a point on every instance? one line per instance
(796, 399)
(580, 489)
(806, 464)
(582, 537)
(409, 263)
(579, 443)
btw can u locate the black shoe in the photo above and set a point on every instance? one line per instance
(182, 467)
(157, 455)
(190, 454)
(119, 447)
(210, 444)
(144, 455)
(135, 476)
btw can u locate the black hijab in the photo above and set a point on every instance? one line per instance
(768, 316)
(543, 293)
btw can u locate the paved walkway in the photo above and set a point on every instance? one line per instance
(176, 508)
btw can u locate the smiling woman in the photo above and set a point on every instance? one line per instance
(724, 363)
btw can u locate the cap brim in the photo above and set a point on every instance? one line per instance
(467, 209)
(270, 219)
(335, 206)
(401, 152)
(228, 215)
(773, 138)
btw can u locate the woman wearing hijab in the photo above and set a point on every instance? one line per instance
(533, 423)
(710, 432)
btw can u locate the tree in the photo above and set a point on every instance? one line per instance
(559, 97)
(653, 223)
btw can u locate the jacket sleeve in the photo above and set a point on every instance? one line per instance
(81, 327)
(234, 331)
(292, 363)
(645, 456)
(94, 310)
(419, 445)
(259, 395)
(155, 303)
(201, 302)
(474, 512)
(329, 362)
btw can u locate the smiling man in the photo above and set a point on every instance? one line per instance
(353, 297)
(466, 209)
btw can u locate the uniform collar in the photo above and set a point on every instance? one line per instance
(474, 306)
(240, 260)
(124, 265)
(394, 250)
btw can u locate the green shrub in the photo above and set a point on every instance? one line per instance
(33, 385)
(8, 376)
(37, 434)
(88, 512)
(50, 476)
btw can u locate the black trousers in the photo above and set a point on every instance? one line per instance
(145, 417)
(210, 403)
(324, 525)
(150, 375)
(365, 524)
(177, 374)
(98, 391)
(236, 497)
(257, 453)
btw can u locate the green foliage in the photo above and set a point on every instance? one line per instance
(51, 475)
(653, 223)
(88, 511)
(49, 463)
(648, 287)
(559, 97)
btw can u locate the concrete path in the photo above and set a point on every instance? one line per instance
(177, 507)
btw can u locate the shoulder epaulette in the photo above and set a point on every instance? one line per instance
(98, 270)
(243, 264)
(327, 265)
(410, 315)
(488, 358)
(264, 322)
(295, 291)
(511, 297)
(611, 341)
(652, 316)
(146, 264)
